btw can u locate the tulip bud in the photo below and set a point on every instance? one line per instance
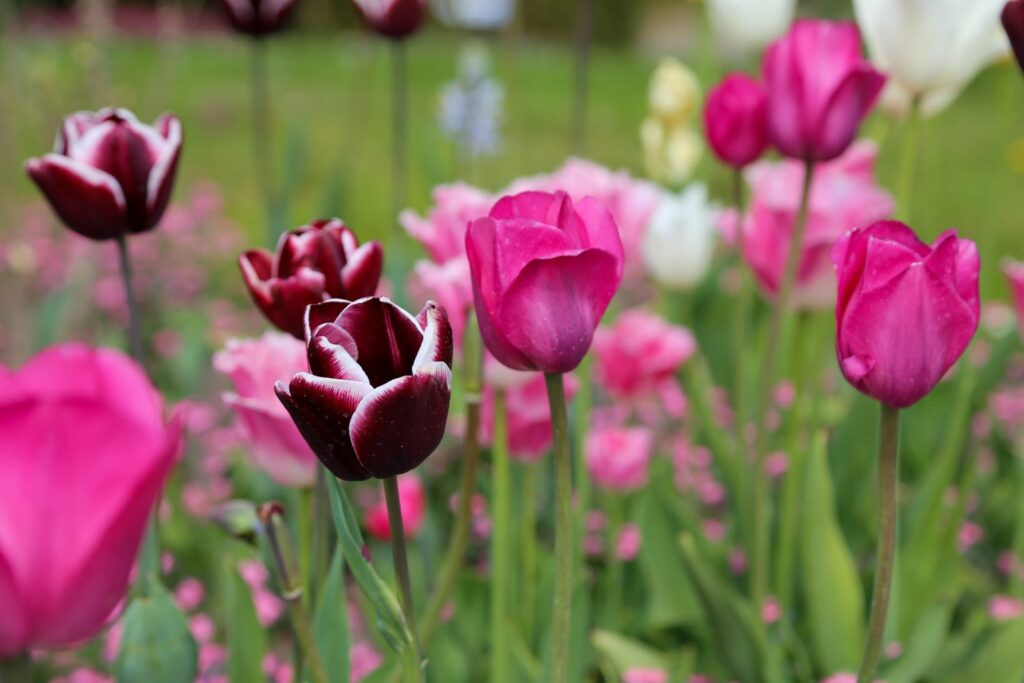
(544, 271)
(258, 18)
(905, 311)
(110, 175)
(736, 120)
(680, 240)
(316, 262)
(375, 402)
(1013, 24)
(395, 19)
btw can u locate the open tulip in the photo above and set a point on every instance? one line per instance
(375, 402)
(748, 25)
(819, 87)
(905, 311)
(736, 120)
(316, 262)
(544, 271)
(258, 18)
(110, 175)
(681, 237)
(86, 450)
(1013, 23)
(395, 19)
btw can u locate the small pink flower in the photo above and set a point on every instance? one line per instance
(970, 534)
(771, 611)
(1005, 607)
(714, 530)
(528, 415)
(776, 464)
(893, 649)
(414, 510)
(737, 561)
(364, 660)
(627, 545)
(189, 594)
(202, 628)
(645, 675)
(618, 457)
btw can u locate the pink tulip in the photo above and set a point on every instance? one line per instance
(905, 311)
(618, 457)
(544, 271)
(450, 286)
(395, 19)
(528, 415)
(819, 87)
(736, 120)
(442, 232)
(273, 441)
(414, 510)
(86, 450)
(844, 195)
(1014, 271)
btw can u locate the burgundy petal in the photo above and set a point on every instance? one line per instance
(361, 274)
(437, 343)
(165, 169)
(327, 359)
(87, 200)
(291, 297)
(322, 313)
(387, 337)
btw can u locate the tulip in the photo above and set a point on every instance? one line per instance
(442, 232)
(736, 120)
(1013, 23)
(905, 312)
(929, 50)
(544, 271)
(680, 240)
(749, 25)
(110, 175)
(375, 401)
(254, 365)
(258, 18)
(86, 450)
(819, 89)
(395, 19)
(414, 510)
(674, 93)
(313, 263)
(1014, 271)
(672, 147)
(618, 458)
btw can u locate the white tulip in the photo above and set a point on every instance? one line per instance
(749, 25)
(930, 49)
(681, 236)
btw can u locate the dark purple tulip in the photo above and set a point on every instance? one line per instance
(375, 402)
(736, 120)
(393, 18)
(1013, 22)
(110, 175)
(258, 17)
(314, 263)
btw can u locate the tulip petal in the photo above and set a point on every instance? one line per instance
(14, 627)
(164, 171)
(323, 313)
(362, 272)
(602, 232)
(387, 338)
(437, 338)
(401, 423)
(87, 200)
(277, 447)
(849, 103)
(331, 359)
(290, 298)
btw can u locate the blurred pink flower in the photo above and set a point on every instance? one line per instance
(442, 232)
(202, 628)
(618, 457)
(268, 606)
(771, 611)
(970, 534)
(1005, 607)
(189, 593)
(627, 545)
(414, 510)
(449, 285)
(364, 660)
(645, 675)
(528, 415)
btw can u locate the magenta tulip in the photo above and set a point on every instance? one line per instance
(258, 17)
(110, 175)
(86, 450)
(375, 402)
(544, 271)
(314, 263)
(395, 19)
(1013, 23)
(736, 120)
(1014, 271)
(819, 88)
(905, 311)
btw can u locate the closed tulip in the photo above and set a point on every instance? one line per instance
(375, 402)
(314, 263)
(258, 18)
(736, 120)
(86, 450)
(746, 26)
(1013, 23)
(819, 87)
(680, 240)
(905, 312)
(110, 175)
(544, 270)
(395, 19)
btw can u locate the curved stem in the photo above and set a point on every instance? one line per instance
(562, 614)
(888, 475)
(501, 546)
(401, 562)
(134, 329)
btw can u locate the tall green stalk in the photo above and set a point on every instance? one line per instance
(261, 136)
(401, 563)
(501, 545)
(528, 595)
(562, 613)
(742, 310)
(908, 162)
(134, 331)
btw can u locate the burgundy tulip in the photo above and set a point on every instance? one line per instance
(314, 263)
(819, 88)
(395, 19)
(258, 17)
(736, 120)
(110, 175)
(544, 271)
(905, 311)
(375, 401)
(1013, 23)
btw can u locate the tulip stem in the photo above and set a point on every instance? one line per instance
(528, 597)
(261, 144)
(888, 476)
(780, 313)
(401, 562)
(17, 669)
(501, 549)
(399, 130)
(134, 330)
(908, 161)
(584, 31)
(562, 613)
(741, 319)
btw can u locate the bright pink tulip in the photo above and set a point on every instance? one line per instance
(819, 87)
(86, 450)
(844, 195)
(736, 120)
(905, 311)
(618, 458)
(313, 263)
(110, 175)
(1013, 24)
(273, 442)
(528, 415)
(414, 510)
(395, 19)
(544, 271)
(258, 18)
(442, 232)
(1014, 271)
(375, 402)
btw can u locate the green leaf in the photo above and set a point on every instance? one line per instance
(389, 615)
(833, 594)
(330, 623)
(925, 643)
(671, 599)
(624, 653)
(997, 658)
(246, 639)
(156, 645)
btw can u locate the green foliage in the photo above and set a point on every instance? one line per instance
(246, 638)
(156, 645)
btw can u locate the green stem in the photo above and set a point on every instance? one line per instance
(584, 31)
(1016, 582)
(17, 669)
(501, 547)
(780, 312)
(741, 312)
(529, 546)
(888, 475)
(134, 327)
(613, 609)
(261, 144)
(399, 130)
(301, 625)
(304, 532)
(401, 563)
(908, 162)
(562, 613)
(321, 543)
